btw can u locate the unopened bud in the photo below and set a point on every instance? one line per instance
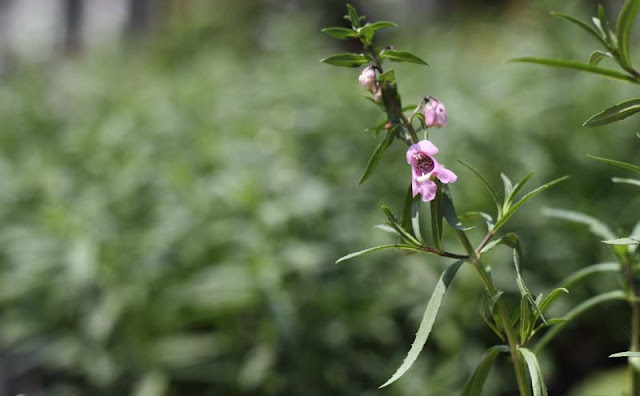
(368, 79)
(435, 114)
(378, 95)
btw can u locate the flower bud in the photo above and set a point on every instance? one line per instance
(378, 95)
(435, 114)
(368, 79)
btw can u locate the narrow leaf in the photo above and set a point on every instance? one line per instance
(622, 241)
(555, 293)
(376, 156)
(597, 56)
(633, 182)
(485, 183)
(519, 185)
(596, 227)
(340, 33)
(476, 381)
(427, 321)
(524, 199)
(411, 214)
(346, 60)
(614, 113)
(582, 25)
(479, 215)
(583, 273)
(567, 64)
(508, 186)
(623, 29)
(449, 210)
(436, 216)
(404, 234)
(537, 382)
(402, 56)
(577, 311)
(620, 164)
(625, 354)
(353, 16)
(378, 248)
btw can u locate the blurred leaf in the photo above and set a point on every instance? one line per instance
(567, 64)
(404, 234)
(387, 77)
(625, 354)
(411, 214)
(151, 384)
(623, 29)
(436, 216)
(479, 215)
(340, 33)
(595, 226)
(486, 184)
(582, 25)
(518, 186)
(475, 383)
(620, 164)
(597, 56)
(622, 241)
(401, 56)
(346, 60)
(508, 186)
(353, 16)
(582, 273)
(576, 312)
(366, 34)
(449, 211)
(535, 374)
(378, 248)
(377, 156)
(614, 113)
(633, 182)
(427, 321)
(555, 293)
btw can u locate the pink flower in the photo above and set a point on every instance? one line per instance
(425, 168)
(435, 114)
(368, 79)
(378, 95)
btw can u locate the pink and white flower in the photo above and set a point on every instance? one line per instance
(424, 169)
(435, 113)
(368, 79)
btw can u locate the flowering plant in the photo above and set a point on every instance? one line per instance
(515, 328)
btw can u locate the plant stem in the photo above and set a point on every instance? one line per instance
(628, 264)
(503, 313)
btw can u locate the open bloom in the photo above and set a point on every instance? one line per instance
(435, 114)
(424, 168)
(368, 79)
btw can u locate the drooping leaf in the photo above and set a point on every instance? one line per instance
(623, 30)
(428, 319)
(346, 60)
(502, 220)
(576, 312)
(567, 64)
(484, 181)
(614, 113)
(596, 227)
(597, 56)
(377, 156)
(582, 25)
(378, 248)
(633, 182)
(537, 382)
(475, 383)
(449, 211)
(402, 56)
(620, 164)
(623, 241)
(340, 33)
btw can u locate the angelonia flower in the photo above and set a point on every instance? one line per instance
(435, 114)
(368, 79)
(424, 169)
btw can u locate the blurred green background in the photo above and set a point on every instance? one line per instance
(171, 207)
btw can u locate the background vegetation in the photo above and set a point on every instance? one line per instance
(170, 212)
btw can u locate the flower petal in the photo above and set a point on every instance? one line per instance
(427, 147)
(428, 190)
(444, 174)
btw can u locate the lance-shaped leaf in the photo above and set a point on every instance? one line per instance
(585, 272)
(404, 234)
(399, 246)
(346, 60)
(582, 25)
(428, 319)
(537, 382)
(620, 164)
(377, 156)
(436, 216)
(340, 33)
(625, 354)
(567, 64)
(555, 293)
(623, 241)
(512, 209)
(596, 227)
(614, 113)
(411, 214)
(475, 383)
(576, 312)
(633, 182)
(486, 184)
(449, 211)
(352, 16)
(402, 56)
(623, 28)
(381, 25)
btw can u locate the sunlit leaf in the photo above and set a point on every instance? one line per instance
(428, 319)
(381, 25)
(535, 374)
(633, 182)
(614, 113)
(620, 164)
(622, 241)
(399, 246)
(340, 33)
(625, 354)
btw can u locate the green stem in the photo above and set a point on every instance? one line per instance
(503, 313)
(629, 264)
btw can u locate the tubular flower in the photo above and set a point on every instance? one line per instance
(435, 114)
(424, 169)
(368, 79)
